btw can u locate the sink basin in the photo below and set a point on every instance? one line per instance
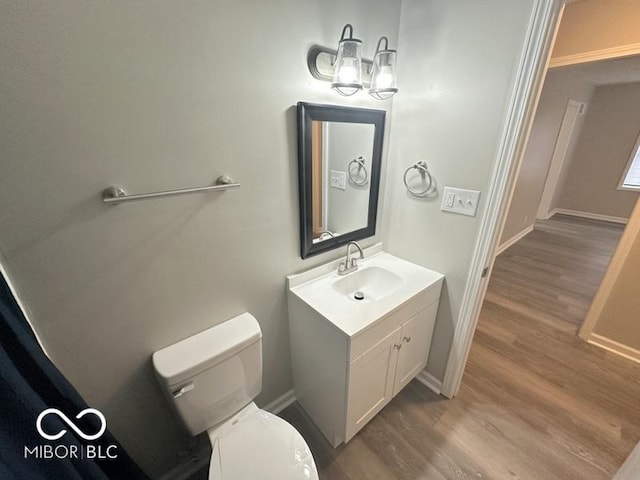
(368, 284)
(354, 302)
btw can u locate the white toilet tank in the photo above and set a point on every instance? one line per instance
(212, 375)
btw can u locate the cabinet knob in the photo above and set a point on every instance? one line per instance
(406, 339)
(397, 346)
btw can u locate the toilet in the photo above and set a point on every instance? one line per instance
(211, 379)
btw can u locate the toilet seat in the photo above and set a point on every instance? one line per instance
(255, 444)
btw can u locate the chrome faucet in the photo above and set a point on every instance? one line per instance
(350, 264)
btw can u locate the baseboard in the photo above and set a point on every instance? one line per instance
(429, 381)
(514, 239)
(280, 403)
(592, 216)
(614, 347)
(201, 459)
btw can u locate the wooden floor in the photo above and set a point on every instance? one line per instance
(535, 403)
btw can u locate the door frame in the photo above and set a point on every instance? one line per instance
(618, 260)
(541, 33)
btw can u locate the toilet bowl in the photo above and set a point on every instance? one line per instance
(259, 445)
(210, 380)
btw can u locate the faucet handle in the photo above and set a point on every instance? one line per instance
(354, 263)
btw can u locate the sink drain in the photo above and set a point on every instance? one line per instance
(358, 296)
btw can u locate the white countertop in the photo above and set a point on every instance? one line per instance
(314, 287)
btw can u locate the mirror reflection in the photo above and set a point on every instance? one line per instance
(340, 152)
(341, 166)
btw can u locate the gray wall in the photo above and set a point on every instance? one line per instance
(151, 96)
(457, 76)
(348, 209)
(560, 86)
(610, 132)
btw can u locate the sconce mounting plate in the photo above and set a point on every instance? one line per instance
(321, 60)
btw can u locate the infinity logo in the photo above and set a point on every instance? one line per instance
(65, 419)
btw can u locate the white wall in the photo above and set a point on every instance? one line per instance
(560, 86)
(456, 71)
(151, 96)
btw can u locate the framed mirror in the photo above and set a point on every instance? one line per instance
(339, 157)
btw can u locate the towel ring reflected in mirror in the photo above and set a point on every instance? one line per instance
(423, 170)
(359, 164)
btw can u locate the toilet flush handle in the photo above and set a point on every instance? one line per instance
(187, 388)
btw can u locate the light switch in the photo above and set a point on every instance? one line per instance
(449, 199)
(459, 200)
(338, 179)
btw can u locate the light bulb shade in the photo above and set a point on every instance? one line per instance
(383, 74)
(347, 74)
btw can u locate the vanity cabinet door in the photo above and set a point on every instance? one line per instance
(415, 342)
(371, 378)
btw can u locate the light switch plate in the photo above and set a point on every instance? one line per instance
(338, 179)
(459, 200)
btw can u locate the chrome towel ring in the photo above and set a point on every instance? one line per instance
(360, 163)
(422, 168)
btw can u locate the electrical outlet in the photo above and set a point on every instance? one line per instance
(459, 200)
(338, 179)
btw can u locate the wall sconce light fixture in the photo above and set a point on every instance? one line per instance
(348, 72)
(347, 75)
(383, 75)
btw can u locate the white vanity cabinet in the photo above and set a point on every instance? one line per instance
(377, 375)
(343, 377)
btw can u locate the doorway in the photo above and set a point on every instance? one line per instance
(526, 359)
(585, 129)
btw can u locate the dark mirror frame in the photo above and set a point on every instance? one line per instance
(308, 112)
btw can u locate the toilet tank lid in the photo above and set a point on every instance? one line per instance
(184, 359)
